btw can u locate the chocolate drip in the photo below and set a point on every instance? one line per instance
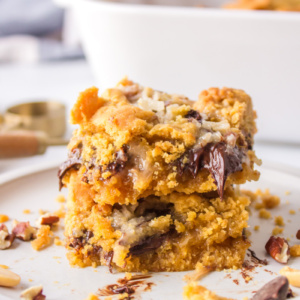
(74, 161)
(109, 257)
(193, 114)
(219, 159)
(150, 243)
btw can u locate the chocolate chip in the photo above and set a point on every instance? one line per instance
(193, 114)
(277, 289)
(120, 159)
(219, 159)
(74, 162)
(150, 243)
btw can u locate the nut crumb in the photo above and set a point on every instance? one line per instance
(3, 218)
(264, 214)
(47, 219)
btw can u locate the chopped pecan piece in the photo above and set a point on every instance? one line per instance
(279, 249)
(23, 230)
(6, 239)
(298, 234)
(47, 219)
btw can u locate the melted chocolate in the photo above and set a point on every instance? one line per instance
(74, 162)
(193, 114)
(109, 257)
(119, 163)
(128, 286)
(150, 243)
(218, 159)
(255, 259)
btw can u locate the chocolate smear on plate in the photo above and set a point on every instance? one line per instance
(127, 286)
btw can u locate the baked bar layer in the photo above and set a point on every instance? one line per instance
(134, 142)
(158, 233)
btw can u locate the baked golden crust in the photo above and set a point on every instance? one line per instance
(135, 141)
(195, 229)
(150, 178)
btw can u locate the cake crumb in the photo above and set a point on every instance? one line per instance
(256, 227)
(292, 212)
(268, 200)
(61, 213)
(279, 221)
(295, 250)
(42, 212)
(192, 291)
(92, 297)
(26, 211)
(4, 267)
(58, 241)
(287, 193)
(128, 275)
(264, 214)
(30, 280)
(3, 218)
(60, 198)
(277, 230)
(44, 238)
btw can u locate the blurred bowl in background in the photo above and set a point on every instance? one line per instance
(187, 49)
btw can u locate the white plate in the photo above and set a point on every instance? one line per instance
(50, 267)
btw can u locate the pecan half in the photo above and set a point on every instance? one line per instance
(279, 249)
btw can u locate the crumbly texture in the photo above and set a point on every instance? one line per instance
(283, 5)
(279, 221)
(264, 214)
(134, 142)
(150, 179)
(277, 230)
(295, 250)
(43, 239)
(192, 291)
(205, 230)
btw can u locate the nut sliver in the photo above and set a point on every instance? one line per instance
(8, 278)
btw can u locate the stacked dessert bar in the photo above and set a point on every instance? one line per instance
(151, 179)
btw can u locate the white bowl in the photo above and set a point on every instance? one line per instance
(186, 49)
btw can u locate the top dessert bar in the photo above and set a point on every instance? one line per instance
(134, 141)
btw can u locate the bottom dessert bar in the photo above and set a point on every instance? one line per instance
(167, 233)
